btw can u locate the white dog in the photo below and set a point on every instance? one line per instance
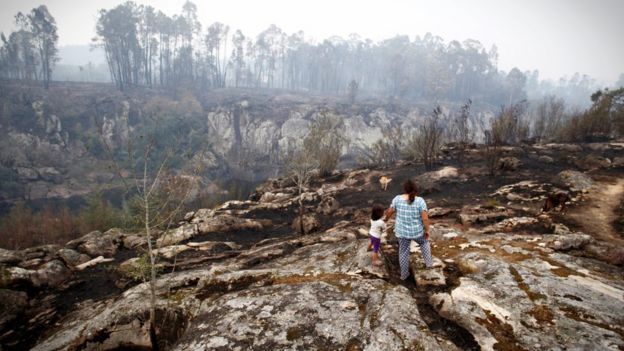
(384, 181)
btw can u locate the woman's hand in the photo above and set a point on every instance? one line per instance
(427, 235)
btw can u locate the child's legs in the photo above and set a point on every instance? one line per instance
(404, 257)
(375, 242)
(425, 249)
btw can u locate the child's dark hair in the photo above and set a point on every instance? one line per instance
(377, 212)
(409, 187)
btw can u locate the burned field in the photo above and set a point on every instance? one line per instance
(490, 240)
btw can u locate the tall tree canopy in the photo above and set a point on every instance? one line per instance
(30, 52)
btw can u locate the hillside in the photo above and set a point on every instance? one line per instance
(506, 277)
(59, 144)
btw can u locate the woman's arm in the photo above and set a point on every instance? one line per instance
(425, 220)
(389, 213)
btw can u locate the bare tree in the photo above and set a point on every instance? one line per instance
(325, 140)
(460, 130)
(506, 128)
(510, 127)
(158, 196)
(158, 199)
(300, 165)
(424, 144)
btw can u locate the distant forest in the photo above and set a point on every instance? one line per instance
(145, 47)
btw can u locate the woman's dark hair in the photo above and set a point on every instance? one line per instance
(377, 212)
(409, 187)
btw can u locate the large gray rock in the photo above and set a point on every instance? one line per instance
(72, 257)
(569, 241)
(480, 215)
(319, 296)
(313, 299)
(96, 244)
(573, 180)
(228, 223)
(10, 256)
(535, 304)
(174, 236)
(430, 182)
(50, 274)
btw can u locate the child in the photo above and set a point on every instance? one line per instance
(377, 227)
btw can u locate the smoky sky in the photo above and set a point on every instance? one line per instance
(556, 37)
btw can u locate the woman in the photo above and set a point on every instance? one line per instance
(412, 223)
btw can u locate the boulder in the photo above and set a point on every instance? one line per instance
(228, 223)
(510, 224)
(310, 223)
(50, 274)
(328, 206)
(509, 164)
(480, 215)
(43, 253)
(10, 256)
(72, 258)
(439, 212)
(270, 197)
(133, 241)
(189, 216)
(430, 182)
(593, 162)
(203, 214)
(569, 241)
(573, 180)
(174, 236)
(95, 244)
(546, 159)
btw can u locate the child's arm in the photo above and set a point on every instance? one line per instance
(389, 213)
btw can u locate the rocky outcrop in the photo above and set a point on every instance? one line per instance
(593, 162)
(322, 295)
(237, 276)
(431, 182)
(534, 304)
(573, 180)
(483, 215)
(96, 244)
(49, 274)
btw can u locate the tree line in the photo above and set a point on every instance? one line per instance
(145, 47)
(30, 52)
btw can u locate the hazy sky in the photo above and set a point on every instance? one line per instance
(557, 37)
